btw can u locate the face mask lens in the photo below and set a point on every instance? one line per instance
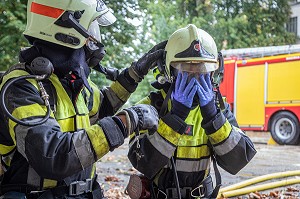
(94, 30)
(195, 68)
(192, 69)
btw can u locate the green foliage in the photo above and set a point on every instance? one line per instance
(142, 23)
(12, 24)
(245, 23)
(233, 24)
(119, 37)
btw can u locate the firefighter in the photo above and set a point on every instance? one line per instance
(54, 156)
(192, 130)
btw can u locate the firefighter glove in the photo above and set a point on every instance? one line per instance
(206, 98)
(183, 95)
(141, 117)
(140, 68)
(205, 90)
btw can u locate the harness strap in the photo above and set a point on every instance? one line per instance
(164, 106)
(74, 189)
(204, 190)
(218, 178)
(220, 99)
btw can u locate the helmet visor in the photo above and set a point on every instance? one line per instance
(106, 19)
(199, 67)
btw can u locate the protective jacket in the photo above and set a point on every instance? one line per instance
(62, 150)
(192, 144)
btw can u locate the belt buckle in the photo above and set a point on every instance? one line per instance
(79, 187)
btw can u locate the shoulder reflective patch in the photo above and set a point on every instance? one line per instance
(46, 10)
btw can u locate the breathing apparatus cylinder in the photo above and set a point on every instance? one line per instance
(39, 69)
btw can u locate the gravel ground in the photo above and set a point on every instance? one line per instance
(114, 169)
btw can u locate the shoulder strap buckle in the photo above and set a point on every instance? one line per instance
(80, 187)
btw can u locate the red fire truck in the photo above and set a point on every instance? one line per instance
(262, 86)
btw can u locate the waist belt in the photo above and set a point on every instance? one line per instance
(204, 190)
(74, 189)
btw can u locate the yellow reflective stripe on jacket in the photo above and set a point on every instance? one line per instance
(63, 100)
(81, 106)
(23, 112)
(168, 133)
(120, 91)
(221, 134)
(145, 100)
(93, 172)
(230, 143)
(96, 98)
(6, 149)
(32, 110)
(98, 140)
(198, 135)
(195, 152)
(49, 183)
(68, 124)
(17, 73)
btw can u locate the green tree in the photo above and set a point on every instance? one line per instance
(233, 24)
(118, 38)
(12, 24)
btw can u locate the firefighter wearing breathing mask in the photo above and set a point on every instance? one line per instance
(56, 158)
(193, 131)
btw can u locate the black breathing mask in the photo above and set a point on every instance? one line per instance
(94, 53)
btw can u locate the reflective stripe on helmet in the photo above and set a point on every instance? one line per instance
(46, 10)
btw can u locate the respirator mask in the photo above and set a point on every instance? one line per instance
(94, 50)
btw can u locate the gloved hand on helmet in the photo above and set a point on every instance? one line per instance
(206, 97)
(140, 117)
(183, 95)
(140, 68)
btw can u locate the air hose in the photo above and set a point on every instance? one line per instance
(40, 69)
(261, 187)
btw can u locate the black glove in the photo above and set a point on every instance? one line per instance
(141, 116)
(139, 69)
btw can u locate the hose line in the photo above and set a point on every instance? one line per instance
(44, 96)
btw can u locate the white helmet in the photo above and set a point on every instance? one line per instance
(191, 49)
(70, 23)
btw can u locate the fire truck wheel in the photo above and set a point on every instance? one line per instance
(285, 128)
